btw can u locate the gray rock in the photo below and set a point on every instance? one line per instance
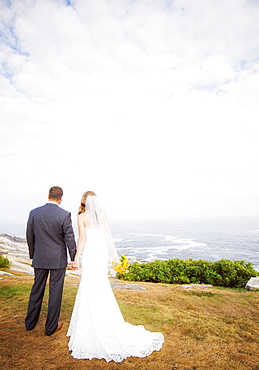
(191, 286)
(5, 273)
(20, 265)
(252, 284)
(126, 286)
(15, 239)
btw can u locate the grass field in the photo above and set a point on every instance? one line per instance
(204, 328)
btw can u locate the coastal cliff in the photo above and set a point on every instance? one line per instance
(13, 246)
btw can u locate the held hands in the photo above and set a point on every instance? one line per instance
(74, 265)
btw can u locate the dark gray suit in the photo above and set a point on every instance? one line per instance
(49, 235)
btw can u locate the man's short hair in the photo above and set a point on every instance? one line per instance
(55, 192)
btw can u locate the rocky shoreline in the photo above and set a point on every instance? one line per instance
(13, 246)
(16, 250)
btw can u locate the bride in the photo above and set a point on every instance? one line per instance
(97, 328)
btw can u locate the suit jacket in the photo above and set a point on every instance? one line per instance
(49, 235)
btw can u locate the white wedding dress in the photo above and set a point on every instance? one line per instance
(97, 328)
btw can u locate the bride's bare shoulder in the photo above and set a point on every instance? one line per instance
(82, 218)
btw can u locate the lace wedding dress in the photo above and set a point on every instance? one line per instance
(97, 328)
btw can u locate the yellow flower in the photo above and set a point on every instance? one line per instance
(123, 266)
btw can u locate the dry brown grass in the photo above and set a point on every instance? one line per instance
(204, 328)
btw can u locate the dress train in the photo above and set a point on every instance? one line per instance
(97, 328)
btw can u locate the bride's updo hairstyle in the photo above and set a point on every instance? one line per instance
(83, 201)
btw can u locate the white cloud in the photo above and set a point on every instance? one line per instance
(133, 100)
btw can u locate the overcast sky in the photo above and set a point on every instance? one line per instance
(152, 104)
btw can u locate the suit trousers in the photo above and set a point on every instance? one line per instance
(56, 283)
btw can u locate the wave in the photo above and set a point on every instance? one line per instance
(156, 235)
(187, 241)
(253, 232)
(117, 240)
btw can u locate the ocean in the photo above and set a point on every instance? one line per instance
(210, 239)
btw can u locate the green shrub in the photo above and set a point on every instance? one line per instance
(223, 273)
(234, 273)
(4, 262)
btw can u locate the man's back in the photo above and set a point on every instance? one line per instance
(49, 233)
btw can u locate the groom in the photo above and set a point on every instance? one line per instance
(49, 234)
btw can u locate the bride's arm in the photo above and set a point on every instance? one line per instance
(80, 242)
